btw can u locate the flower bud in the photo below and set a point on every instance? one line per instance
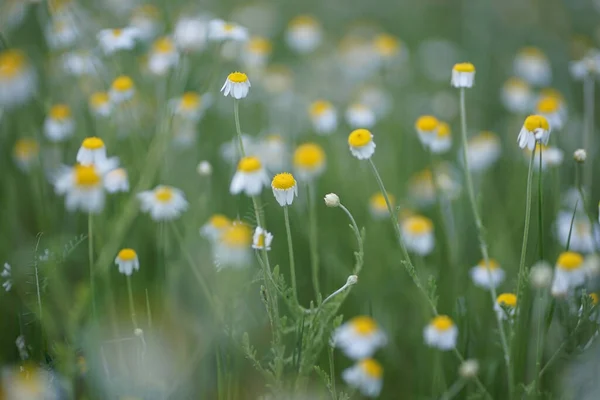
(352, 279)
(332, 200)
(204, 168)
(138, 332)
(540, 275)
(580, 155)
(469, 369)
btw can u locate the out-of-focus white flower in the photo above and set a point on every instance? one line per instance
(516, 95)
(257, 51)
(483, 150)
(361, 144)
(580, 155)
(215, 226)
(26, 153)
(112, 40)
(61, 33)
(18, 81)
(261, 239)
(540, 275)
(506, 305)
(59, 124)
(376, 98)
(568, 273)
(122, 89)
(309, 161)
(163, 203)
(6, 274)
(388, 47)
(249, 178)
(589, 65)
(100, 105)
(366, 376)
(116, 181)
(359, 338)
(204, 168)
(81, 62)
(553, 110)
(378, 206)
(233, 248)
(191, 34)
(127, 261)
(360, 116)
(532, 65)
(146, 21)
(303, 34)
(442, 142)
(583, 240)
(551, 156)
(469, 369)
(535, 129)
(441, 333)
(86, 191)
(323, 116)
(220, 30)
(332, 200)
(28, 382)
(285, 188)
(487, 277)
(273, 153)
(92, 151)
(237, 85)
(163, 56)
(427, 127)
(463, 75)
(277, 79)
(417, 233)
(191, 105)
(230, 152)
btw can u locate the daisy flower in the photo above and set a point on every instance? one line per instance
(163, 203)
(163, 56)
(122, 89)
(92, 151)
(540, 275)
(442, 142)
(61, 33)
(483, 150)
(26, 152)
(551, 108)
(463, 75)
(366, 376)
(568, 273)
(249, 178)
(261, 239)
(417, 233)
(116, 181)
(441, 333)
(303, 34)
(506, 305)
(583, 240)
(59, 124)
(257, 51)
(386, 46)
(112, 40)
(427, 127)
(128, 261)
(81, 63)
(215, 226)
(309, 162)
(589, 65)
(361, 144)
(145, 20)
(516, 96)
(532, 65)
(273, 153)
(191, 105)
(378, 206)
(536, 128)
(359, 337)
(191, 34)
(99, 104)
(284, 188)
(323, 117)
(551, 156)
(86, 191)
(236, 85)
(360, 116)
(233, 249)
(489, 277)
(219, 30)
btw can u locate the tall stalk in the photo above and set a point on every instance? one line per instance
(313, 242)
(291, 253)
(588, 145)
(91, 262)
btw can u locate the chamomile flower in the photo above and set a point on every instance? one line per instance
(215, 226)
(366, 376)
(427, 127)
(535, 129)
(540, 275)
(145, 19)
(61, 33)
(86, 191)
(483, 150)
(99, 104)
(116, 180)
(387, 46)
(583, 239)
(359, 338)
(323, 117)
(236, 85)
(26, 152)
(257, 51)
(516, 95)
(230, 150)
(80, 63)
(589, 65)
(463, 75)
(284, 188)
(309, 162)
(18, 80)
(261, 239)
(532, 65)
(191, 34)
(250, 177)
(273, 153)
(360, 116)
(417, 233)
(487, 277)
(163, 203)
(233, 249)
(122, 89)
(378, 206)
(421, 188)
(376, 98)
(551, 108)
(29, 382)
(127, 261)
(303, 34)
(6, 274)
(441, 333)
(219, 30)
(506, 305)
(191, 105)
(442, 142)
(163, 56)
(92, 151)
(59, 124)
(568, 273)
(361, 144)
(551, 156)
(113, 40)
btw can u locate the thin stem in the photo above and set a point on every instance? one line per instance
(586, 209)
(480, 230)
(313, 242)
(453, 390)
(148, 309)
(539, 348)
(238, 129)
(91, 262)
(291, 252)
(131, 304)
(588, 145)
(332, 373)
(356, 231)
(540, 209)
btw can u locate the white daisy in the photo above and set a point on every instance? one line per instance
(256, 52)
(284, 188)
(441, 333)
(85, 192)
(214, 228)
(116, 181)
(366, 376)
(163, 203)
(417, 233)
(378, 207)
(261, 239)
(59, 125)
(506, 305)
(26, 153)
(492, 276)
(551, 107)
(427, 127)
(303, 34)
(233, 249)
(163, 56)
(568, 273)
(92, 151)
(219, 30)
(145, 20)
(191, 105)
(361, 144)
(516, 96)
(99, 104)
(483, 150)
(589, 65)
(273, 153)
(360, 116)
(323, 117)
(18, 81)
(309, 162)
(551, 156)
(583, 240)
(535, 129)
(463, 75)
(442, 141)
(191, 34)
(80, 63)
(250, 177)
(7, 277)
(61, 33)
(112, 40)
(237, 85)
(128, 261)
(122, 89)
(359, 338)
(532, 65)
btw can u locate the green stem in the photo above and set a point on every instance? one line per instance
(588, 145)
(131, 304)
(313, 243)
(540, 209)
(148, 309)
(291, 253)
(539, 344)
(356, 231)
(453, 390)
(91, 262)
(238, 129)
(332, 373)
(586, 209)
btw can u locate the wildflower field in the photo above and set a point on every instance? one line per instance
(299, 200)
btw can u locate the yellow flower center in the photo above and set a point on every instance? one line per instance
(117, 32)
(190, 100)
(86, 176)
(220, 221)
(249, 164)
(386, 45)
(442, 323)
(229, 27)
(570, 260)
(532, 52)
(491, 266)
(419, 225)
(378, 201)
(98, 99)
(283, 181)
(551, 92)
(163, 194)
(260, 45)
(363, 325)
(237, 77)
(464, 67)
(147, 10)
(122, 84)
(309, 155)
(26, 148)
(507, 299)
(360, 137)
(516, 83)
(548, 105)
(594, 297)
(443, 130)
(163, 45)
(427, 123)
(60, 112)
(12, 63)
(261, 240)
(92, 143)
(303, 21)
(371, 368)
(239, 235)
(534, 122)
(319, 107)
(127, 255)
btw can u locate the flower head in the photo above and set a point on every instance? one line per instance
(59, 124)
(99, 103)
(332, 200)
(535, 128)
(163, 56)
(463, 75)
(323, 116)
(532, 65)
(366, 376)
(216, 225)
(441, 333)
(417, 233)
(361, 144)
(112, 40)
(492, 276)
(551, 107)
(506, 305)
(257, 51)
(261, 239)
(378, 205)
(233, 249)
(359, 115)
(219, 30)
(18, 81)
(190, 34)
(284, 188)
(427, 127)
(249, 178)
(237, 85)
(128, 261)
(309, 161)
(516, 95)
(359, 338)
(483, 150)
(92, 151)
(116, 180)
(122, 89)
(163, 203)
(303, 34)
(26, 152)
(86, 191)
(442, 142)
(569, 273)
